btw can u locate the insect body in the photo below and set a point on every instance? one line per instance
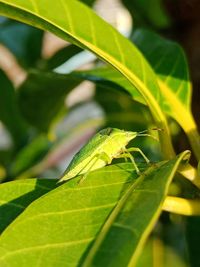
(106, 145)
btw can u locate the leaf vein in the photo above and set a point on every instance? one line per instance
(69, 17)
(92, 28)
(173, 69)
(35, 7)
(55, 213)
(47, 246)
(121, 53)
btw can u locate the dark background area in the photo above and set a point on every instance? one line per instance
(185, 29)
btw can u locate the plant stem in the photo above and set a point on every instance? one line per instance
(184, 118)
(194, 139)
(187, 207)
(158, 252)
(189, 126)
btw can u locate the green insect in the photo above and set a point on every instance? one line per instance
(106, 145)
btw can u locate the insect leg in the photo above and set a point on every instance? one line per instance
(136, 149)
(128, 155)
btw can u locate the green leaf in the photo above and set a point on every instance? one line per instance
(60, 225)
(124, 233)
(57, 229)
(16, 196)
(41, 97)
(169, 62)
(65, 19)
(24, 41)
(9, 111)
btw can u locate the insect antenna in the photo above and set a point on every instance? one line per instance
(149, 135)
(145, 133)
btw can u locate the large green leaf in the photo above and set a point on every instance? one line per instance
(75, 22)
(41, 97)
(60, 225)
(168, 60)
(58, 229)
(124, 233)
(9, 111)
(16, 196)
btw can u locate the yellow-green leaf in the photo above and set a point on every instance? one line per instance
(64, 227)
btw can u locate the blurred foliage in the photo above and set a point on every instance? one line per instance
(88, 2)
(25, 42)
(43, 129)
(52, 89)
(148, 13)
(9, 111)
(192, 234)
